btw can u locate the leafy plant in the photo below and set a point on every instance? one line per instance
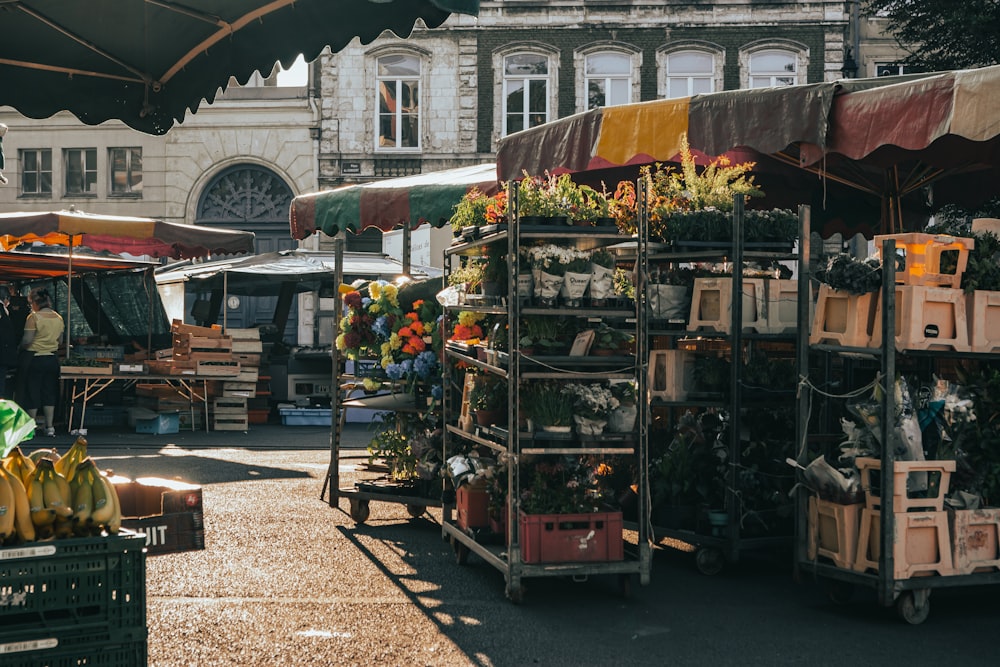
(603, 257)
(470, 211)
(681, 276)
(624, 286)
(559, 485)
(849, 274)
(983, 269)
(592, 400)
(488, 393)
(596, 204)
(540, 332)
(547, 403)
(469, 274)
(610, 338)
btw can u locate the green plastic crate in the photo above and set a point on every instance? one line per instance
(95, 583)
(75, 647)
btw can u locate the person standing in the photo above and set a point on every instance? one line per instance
(43, 331)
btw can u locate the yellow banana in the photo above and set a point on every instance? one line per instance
(68, 462)
(40, 514)
(115, 523)
(104, 500)
(83, 497)
(19, 464)
(7, 508)
(39, 454)
(55, 489)
(23, 526)
(63, 527)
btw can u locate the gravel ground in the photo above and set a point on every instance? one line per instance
(285, 579)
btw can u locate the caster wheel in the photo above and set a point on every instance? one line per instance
(709, 561)
(360, 511)
(515, 594)
(461, 552)
(906, 607)
(416, 510)
(839, 592)
(625, 585)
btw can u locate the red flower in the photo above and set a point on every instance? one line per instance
(353, 299)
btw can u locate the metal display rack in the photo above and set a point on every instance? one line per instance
(715, 546)
(514, 443)
(910, 595)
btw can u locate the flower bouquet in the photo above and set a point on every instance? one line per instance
(576, 279)
(548, 264)
(602, 277)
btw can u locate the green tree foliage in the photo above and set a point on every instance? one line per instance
(943, 34)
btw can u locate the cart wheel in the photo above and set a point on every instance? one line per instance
(839, 592)
(359, 510)
(709, 560)
(625, 585)
(416, 510)
(910, 611)
(461, 552)
(515, 594)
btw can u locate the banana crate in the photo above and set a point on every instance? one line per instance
(95, 584)
(75, 646)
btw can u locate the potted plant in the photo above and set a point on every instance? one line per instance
(609, 341)
(537, 201)
(494, 271)
(548, 406)
(598, 206)
(548, 264)
(621, 419)
(602, 277)
(488, 399)
(576, 278)
(468, 278)
(670, 293)
(540, 335)
(591, 404)
(470, 211)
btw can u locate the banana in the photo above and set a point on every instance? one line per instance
(68, 462)
(41, 515)
(83, 496)
(23, 526)
(115, 523)
(19, 464)
(63, 527)
(55, 489)
(104, 500)
(39, 454)
(7, 508)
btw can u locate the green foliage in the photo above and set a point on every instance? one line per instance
(489, 393)
(470, 275)
(983, 269)
(547, 404)
(609, 338)
(977, 443)
(623, 284)
(470, 211)
(943, 34)
(849, 274)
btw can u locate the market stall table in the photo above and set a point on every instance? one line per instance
(85, 386)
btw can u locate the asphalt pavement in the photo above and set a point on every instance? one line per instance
(286, 579)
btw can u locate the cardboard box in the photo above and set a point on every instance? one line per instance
(168, 512)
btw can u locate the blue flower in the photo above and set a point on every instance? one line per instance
(381, 327)
(394, 371)
(437, 392)
(425, 364)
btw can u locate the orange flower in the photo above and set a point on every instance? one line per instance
(405, 332)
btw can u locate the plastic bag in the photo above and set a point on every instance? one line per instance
(15, 426)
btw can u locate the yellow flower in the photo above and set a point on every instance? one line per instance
(373, 290)
(468, 318)
(391, 293)
(385, 362)
(345, 323)
(395, 342)
(374, 308)
(386, 349)
(340, 342)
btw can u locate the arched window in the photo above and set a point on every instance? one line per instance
(771, 68)
(245, 196)
(398, 102)
(690, 72)
(608, 79)
(526, 82)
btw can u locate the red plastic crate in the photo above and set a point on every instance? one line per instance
(571, 538)
(472, 505)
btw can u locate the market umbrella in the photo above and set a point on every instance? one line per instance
(889, 137)
(118, 234)
(147, 62)
(385, 204)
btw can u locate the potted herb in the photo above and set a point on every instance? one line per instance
(540, 335)
(597, 205)
(609, 341)
(470, 211)
(538, 202)
(468, 278)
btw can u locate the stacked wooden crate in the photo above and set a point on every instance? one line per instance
(240, 392)
(202, 351)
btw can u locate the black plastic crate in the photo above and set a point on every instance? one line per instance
(98, 583)
(76, 647)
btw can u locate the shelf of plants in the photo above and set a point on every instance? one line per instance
(721, 371)
(915, 368)
(545, 441)
(390, 335)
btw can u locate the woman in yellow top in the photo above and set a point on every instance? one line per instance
(43, 332)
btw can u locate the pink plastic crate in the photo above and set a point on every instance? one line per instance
(570, 538)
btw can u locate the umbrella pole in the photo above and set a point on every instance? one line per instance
(225, 300)
(150, 290)
(69, 295)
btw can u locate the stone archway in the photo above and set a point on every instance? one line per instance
(253, 198)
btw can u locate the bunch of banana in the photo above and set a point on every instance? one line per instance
(19, 465)
(50, 501)
(95, 500)
(39, 454)
(15, 512)
(67, 463)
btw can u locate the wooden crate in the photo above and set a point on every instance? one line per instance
(231, 423)
(178, 327)
(982, 315)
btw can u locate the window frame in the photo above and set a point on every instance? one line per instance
(130, 190)
(549, 79)
(583, 60)
(88, 173)
(798, 52)
(717, 54)
(398, 115)
(40, 154)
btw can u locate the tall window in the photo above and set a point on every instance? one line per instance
(36, 171)
(773, 68)
(609, 79)
(81, 171)
(126, 170)
(690, 73)
(525, 91)
(398, 102)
